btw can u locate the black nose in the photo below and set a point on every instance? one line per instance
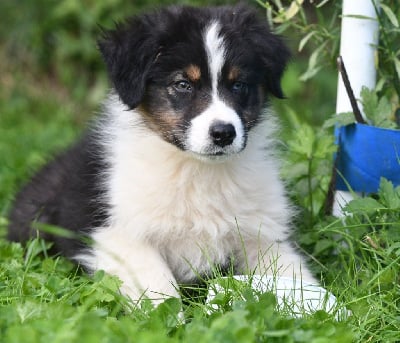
(222, 134)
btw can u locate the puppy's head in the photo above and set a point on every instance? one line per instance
(198, 76)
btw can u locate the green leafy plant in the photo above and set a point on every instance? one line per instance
(308, 169)
(379, 112)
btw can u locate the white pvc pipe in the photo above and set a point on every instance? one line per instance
(358, 40)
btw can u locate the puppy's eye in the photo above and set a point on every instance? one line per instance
(183, 86)
(239, 87)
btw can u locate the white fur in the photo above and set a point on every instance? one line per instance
(198, 138)
(173, 216)
(215, 48)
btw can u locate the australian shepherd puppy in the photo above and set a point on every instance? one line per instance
(178, 175)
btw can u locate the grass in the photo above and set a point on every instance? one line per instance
(48, 299)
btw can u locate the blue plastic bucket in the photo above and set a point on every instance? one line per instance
(367, 153)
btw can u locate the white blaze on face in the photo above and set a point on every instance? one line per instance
(215, 49)
(198, 137)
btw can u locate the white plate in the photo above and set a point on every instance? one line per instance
(296, 297)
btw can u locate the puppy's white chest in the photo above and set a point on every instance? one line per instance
(174, 202)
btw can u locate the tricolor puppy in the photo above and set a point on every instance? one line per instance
(178, 175)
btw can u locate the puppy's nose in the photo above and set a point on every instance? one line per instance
(222, 134)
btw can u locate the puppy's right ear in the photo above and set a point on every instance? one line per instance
(129, 51)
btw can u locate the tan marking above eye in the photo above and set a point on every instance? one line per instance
(193, 73)
(233, 74)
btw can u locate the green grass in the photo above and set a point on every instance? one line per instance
(47, 299)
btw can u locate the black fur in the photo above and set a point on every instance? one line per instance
(67, 192)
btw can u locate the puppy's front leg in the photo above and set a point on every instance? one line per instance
(273, 258)
(140, 267)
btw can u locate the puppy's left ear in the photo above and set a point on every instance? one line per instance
(129, 52)
(274, 56)
(272, 53)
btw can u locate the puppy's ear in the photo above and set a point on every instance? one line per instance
(274, 56)
(272, 53)
(129, 51)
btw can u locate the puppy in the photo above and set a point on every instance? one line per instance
(178, 175)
